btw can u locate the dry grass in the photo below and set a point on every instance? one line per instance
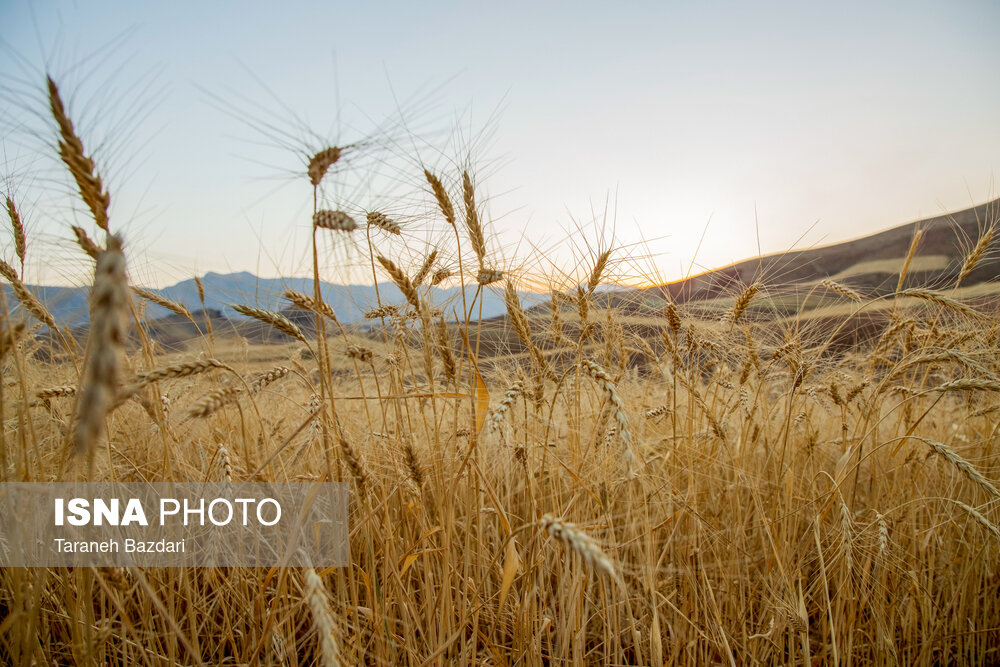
(670, 489)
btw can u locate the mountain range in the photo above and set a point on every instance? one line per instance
(69, 305)
(871, 265)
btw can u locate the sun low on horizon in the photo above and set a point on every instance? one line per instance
(696, 136)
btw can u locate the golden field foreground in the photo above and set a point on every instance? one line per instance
(574, 484)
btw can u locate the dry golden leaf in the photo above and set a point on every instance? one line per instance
(407, 562)
(482, 398)
(512, 561)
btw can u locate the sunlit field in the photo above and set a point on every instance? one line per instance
(609, 475)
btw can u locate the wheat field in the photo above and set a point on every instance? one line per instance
(604, 479)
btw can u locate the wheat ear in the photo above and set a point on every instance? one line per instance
(963, 466)
(319, 605)
(440, 276)
(80, 165)
(10, 337)
(264, 379)
(441, 196)
(945, 301)
(213, 401)
(321, 162)
(743, 301)
(86, 243)
(55, 392)
(580, 543)
(914, 244)
(105, 348)
(977, 515)
(444, 349)
(604, 381)
(163, 302)
(402, 281)
(276, 320)
(976, 255)
(227, 464)
(381, 221)
(20, 241)
(842, 290)
(472, 223)
(381, 311)
(488, 276)
(24, 295)
(425, 268)
(306, 302)
(337, 221)
(495, 418)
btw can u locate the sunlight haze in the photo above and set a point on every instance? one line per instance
(808, 123)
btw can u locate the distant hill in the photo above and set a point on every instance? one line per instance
(869, 264)
(70, 308)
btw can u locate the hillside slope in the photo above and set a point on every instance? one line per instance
(870, 263)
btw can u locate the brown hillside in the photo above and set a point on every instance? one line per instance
(947, 237)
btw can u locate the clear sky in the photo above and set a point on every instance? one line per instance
(819, 121)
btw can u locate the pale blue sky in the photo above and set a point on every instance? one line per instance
(851, 116)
